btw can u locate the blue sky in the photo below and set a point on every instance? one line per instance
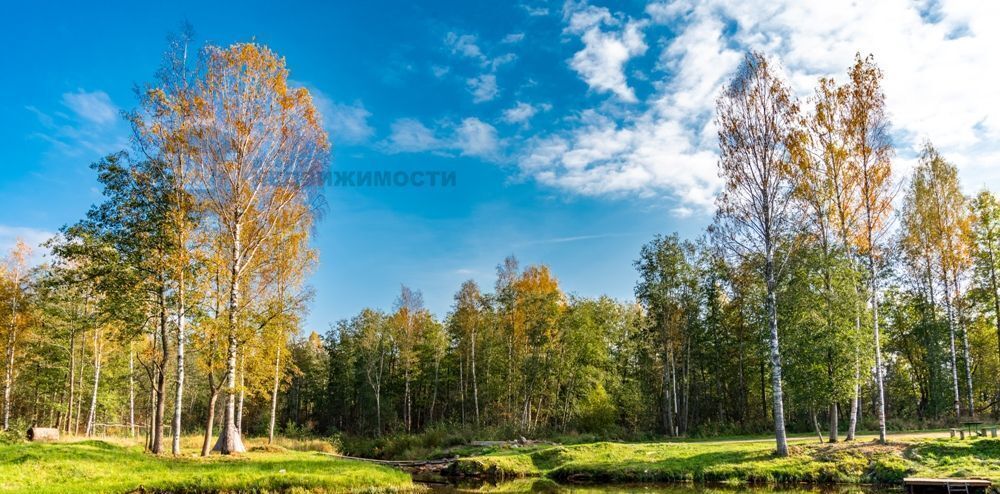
(576, 131)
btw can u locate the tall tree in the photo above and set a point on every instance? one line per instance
(13, 276)
(261, 150)
(755, 116)
(870, 148)
(665, 289)
(986, 237)
(465, 322)
(123, 249)
(827, 184)
(937, 216)
(163, 130)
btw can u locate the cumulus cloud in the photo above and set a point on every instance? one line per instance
(938, 59)
(643, 155)
(409, 135)
(470, 137)
(346, 123)
(464, 45)
(476, 138)
(609, 43)
(519, 113)
(483, 87)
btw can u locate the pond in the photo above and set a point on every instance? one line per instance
(542, 485)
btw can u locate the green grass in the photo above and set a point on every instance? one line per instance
(742, 462)
(944, 458)
(97, 466)
(296, 466)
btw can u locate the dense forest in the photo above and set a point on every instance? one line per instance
(832, 292)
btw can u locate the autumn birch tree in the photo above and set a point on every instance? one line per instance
(14, 274)
(261, 150)
(870, 149)
(163, 130)
(755, 115)
(937, 216)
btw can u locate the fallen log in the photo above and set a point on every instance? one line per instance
(417, 464)
(43, 434)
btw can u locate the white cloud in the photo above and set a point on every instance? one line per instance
(464, 45)
(476, 138)
(643, 155)
(470, 137)
(346, 124)
(513, 38)
(95, 107)
(502, 60)
(602, 60)
(33, 237)
(411, 136)
(535, 11)
(91, 127)
(519, 113)
(940, 77)
(440, 71)
(483, 87)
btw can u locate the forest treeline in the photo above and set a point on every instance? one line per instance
(829, 294)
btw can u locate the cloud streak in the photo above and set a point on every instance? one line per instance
(471, 137)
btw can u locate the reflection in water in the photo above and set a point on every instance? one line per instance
(542, 485)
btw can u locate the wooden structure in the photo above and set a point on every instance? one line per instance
(981, 431)
(972, 427)
(43, 434)
(917, 485)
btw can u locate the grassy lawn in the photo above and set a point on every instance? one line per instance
(744, 461)
(97, 466)
(299, 466)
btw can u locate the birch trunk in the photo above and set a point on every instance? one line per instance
(131, 391)
(229, 438)
(954, 352)
(8, 381)
(781, 440)
(91, 416)
(79, 386)
(72, 381)
(175, 446)
(274, 395)
(475, 385)
(239, 405)
(879, 381)
(960, 321)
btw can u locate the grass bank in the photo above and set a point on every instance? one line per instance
(97, 466)
(741, 462)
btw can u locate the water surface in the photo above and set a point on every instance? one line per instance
(541, 485)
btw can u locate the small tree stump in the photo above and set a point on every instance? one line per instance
(43, 434)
